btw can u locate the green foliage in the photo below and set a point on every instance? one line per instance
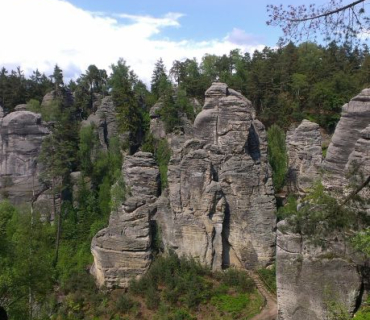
(289, 209)
(238, 280)
(87, 147)
(162, 156)
(361, 241)
(122, 83)
(319, 214)
(180, 276)
(277, 155)
(268, 276)
(25, 260)
(124, 303)
(233, 304)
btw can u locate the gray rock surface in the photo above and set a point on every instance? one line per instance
(219, 206)
(21, 136)
(123, 250)
(311, 277)
(104, 120)
(359, 163)
(221, 200)
(305, 156)
(354, 119)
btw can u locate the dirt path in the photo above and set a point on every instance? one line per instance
(269, 312)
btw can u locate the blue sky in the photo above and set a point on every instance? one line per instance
(76, 33)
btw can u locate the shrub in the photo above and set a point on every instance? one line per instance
(277, 155)
(238, 279)
(124, 303)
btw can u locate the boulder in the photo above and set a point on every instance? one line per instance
(305, 156)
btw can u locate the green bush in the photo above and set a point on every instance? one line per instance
(268, 276)
(233, 304)
(238, 279)
(163, 155)
(124, 303)
(277, 155)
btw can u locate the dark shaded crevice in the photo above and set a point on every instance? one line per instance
(225, 238)
(214, 174)
(252, 146)
(156, 235)
(3, 314)
(359, 298)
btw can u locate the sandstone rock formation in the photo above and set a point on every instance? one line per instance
(354, 119)
(222, 205)
(310, 277)
(104, 120)
(359, 162)
(21, 136)
(219, 206)
(123, 250)
(305, 156)
(178, 138)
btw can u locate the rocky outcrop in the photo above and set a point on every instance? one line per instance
(123, 250)
(358, 165)
(354, 119)
(219, 206)
(310, 278)
(104, 120)
(304, 156)
(181, 134)
(221, 200)
(63, 96)
(21, 136)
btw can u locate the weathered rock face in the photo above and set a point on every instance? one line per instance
(219, 206)
(305, 156)
(310, 277)
(21, 136)
(158, 130)
(104, 119)
(156, 124)
(358, 165)
(355, 118)
(123, 250)
(222, 205)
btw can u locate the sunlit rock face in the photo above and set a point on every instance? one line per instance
(304, 156)
(220, 203)
(219, 206)
(311, 276)
(354, 120)
(21, 136)
(104, 120)
(123, 250)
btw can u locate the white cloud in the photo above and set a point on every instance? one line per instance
(41, 33)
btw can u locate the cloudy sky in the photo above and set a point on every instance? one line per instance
(77, 33)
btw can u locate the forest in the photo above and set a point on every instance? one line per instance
(44, 265)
